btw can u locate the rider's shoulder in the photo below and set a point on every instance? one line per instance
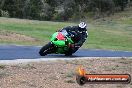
(75, 27)
(71, 27)
(67, 27)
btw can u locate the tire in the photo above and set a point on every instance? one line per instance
(68, 53)
(80, 80)
(45, 49)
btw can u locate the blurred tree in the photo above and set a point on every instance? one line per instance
(14, 7)
(2, 2)
(68, 7)
(46, 12)
(121, 3)
(60, 9)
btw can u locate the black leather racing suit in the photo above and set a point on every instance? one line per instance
(80, 36)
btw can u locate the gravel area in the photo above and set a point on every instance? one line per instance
(62, 73)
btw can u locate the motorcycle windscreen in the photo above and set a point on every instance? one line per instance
(60, 36)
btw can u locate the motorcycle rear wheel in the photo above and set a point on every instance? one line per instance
(68, 53)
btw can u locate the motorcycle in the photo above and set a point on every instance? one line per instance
(59, 44)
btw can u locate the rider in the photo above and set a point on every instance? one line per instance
(80, 35)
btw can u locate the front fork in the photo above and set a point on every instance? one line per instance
(52, 48)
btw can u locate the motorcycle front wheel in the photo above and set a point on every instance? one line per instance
(45, 49)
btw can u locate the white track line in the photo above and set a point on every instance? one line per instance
(18, 61)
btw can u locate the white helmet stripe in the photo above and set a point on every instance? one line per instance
(82, 25)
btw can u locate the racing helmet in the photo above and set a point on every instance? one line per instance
(82, 25)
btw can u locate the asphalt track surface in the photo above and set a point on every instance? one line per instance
(12, 52)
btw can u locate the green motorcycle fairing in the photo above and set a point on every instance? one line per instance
(62, 45)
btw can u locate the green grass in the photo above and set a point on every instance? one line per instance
(41, 30)
(108, 36)
(114, 34)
